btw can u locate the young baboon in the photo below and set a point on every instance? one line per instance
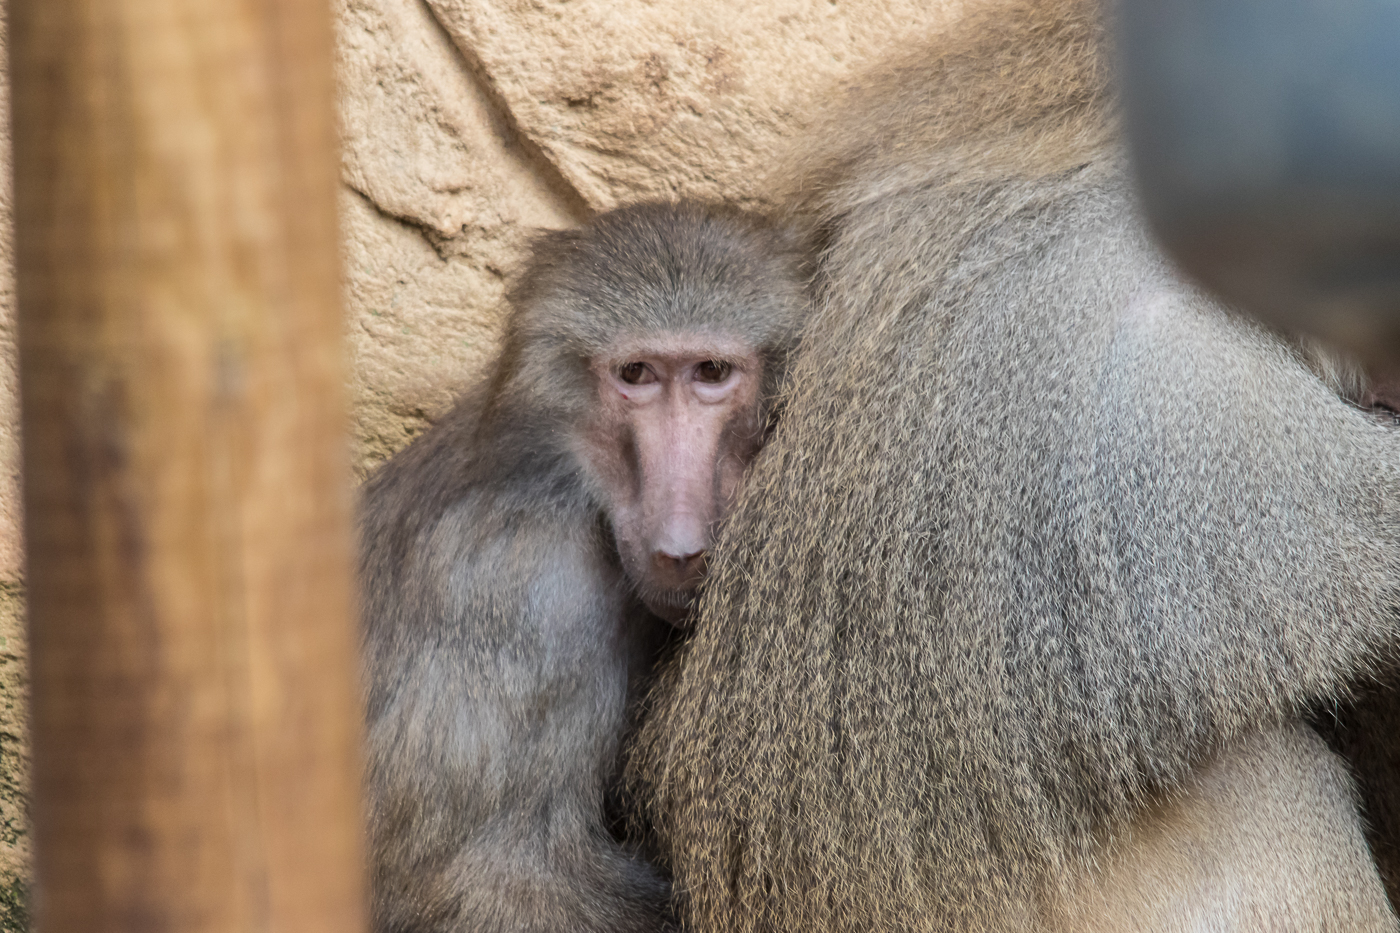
(517, 561)
(1015, 621)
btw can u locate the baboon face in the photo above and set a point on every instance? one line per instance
(677, 419)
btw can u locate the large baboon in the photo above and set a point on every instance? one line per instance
(517, 562)
(1020, 612)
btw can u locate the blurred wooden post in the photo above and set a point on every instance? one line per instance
(186, 485)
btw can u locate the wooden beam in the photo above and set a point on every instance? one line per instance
(195, 709)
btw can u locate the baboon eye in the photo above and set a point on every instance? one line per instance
(634, 373)
(713, 371)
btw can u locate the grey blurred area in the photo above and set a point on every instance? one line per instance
(1266, 139)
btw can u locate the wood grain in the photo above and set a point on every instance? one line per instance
(195, 712)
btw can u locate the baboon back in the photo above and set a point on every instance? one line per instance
(1041, 527)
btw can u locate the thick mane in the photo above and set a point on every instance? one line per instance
(1014, 89)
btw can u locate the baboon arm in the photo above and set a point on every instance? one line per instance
(1229, 531)
(1265, 836)
(496, 704)
(1186, 536)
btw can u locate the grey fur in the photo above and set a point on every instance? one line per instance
(500, 632)
(1042, 531)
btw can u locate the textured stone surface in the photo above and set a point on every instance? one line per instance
(14, 760)
(418, 324)
(14, 668)
(11, 506)
(441, 195)
(634, 98)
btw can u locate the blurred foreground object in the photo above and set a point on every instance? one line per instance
(186, 488)
(1266, 137)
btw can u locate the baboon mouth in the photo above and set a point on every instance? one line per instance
(672, 605)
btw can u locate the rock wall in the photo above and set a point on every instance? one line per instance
(14, 669)
(468, 124)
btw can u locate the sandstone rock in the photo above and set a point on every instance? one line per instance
(418, 325)
(638, 98)
(11, 502)
(442, 194)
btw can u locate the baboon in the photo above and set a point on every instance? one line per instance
(518, 561)
(1019, 617)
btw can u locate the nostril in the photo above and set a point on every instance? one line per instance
(684, 569)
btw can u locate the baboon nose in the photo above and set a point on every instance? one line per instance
(680, 571)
